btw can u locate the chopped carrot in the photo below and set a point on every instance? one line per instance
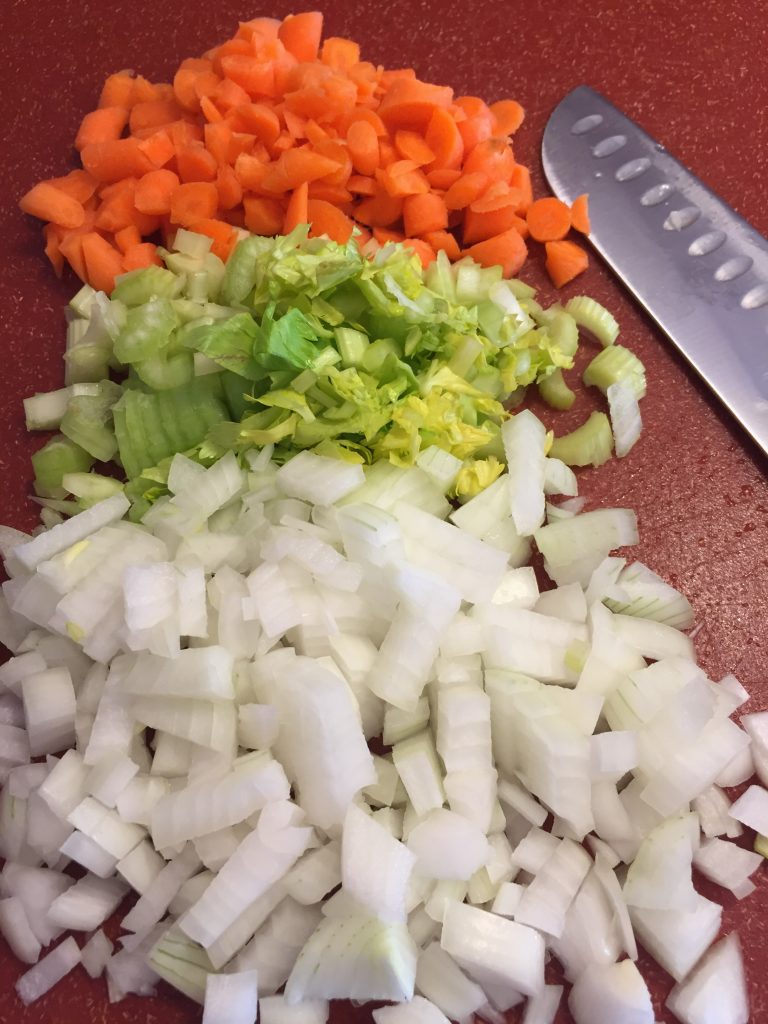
(49, 203)
(443, 240)
(384, 235)
(297, 210)
(229, 188)
(53, 248)
(184, 82)
(480, 225)
(79, 185)
(263, 216)
(361, 185)
(580, 214)
(340, 53)
(423, 213)
(493, 157)
(113, 161)
(256, 77)
(363, 144)
(158, 148)
(409, 103)
(336, 194)
(154, 114)
(300, 34)
(223, 235)
(193, 201)
(466, 190)
(423, 250)
(411, 146)
(140, 256)
(103, 262)
(327, 219)
(443, 177)
(521, 180)
(507, 250)
(71, 248)
(478, 123)
(195, 163)
(549, 219)
(565, 260)
(117, 212)
(379, 211)
(444, 139)
(154, 191)
(104, 124)
(298, 165)
(127, 237)
(228, 95)
(117, 90)
(258, 119)
(509, 116)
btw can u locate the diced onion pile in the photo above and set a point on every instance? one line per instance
(204, 688)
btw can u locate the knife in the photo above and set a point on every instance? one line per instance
(699, 268)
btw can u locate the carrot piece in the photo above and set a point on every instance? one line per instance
(465, 190)
(478, 123)
(258, 30)
(218, 137)
(315, 132)
(521, 180)
(140, 256)
(423, 213)
(336, 194)
(327, 219)
(298, 165)
(117, 90)
(297, 126)
(158, 148)
(71, 248)
(251, 172)
(195, 163)
(300, 34)
(565, 260)
(228, 94)
(509, 116)
(127, 237)
(297, 210)
(379, 211)
(206, 84)
(228, 187)
(223, 235)
(256, 77)
(154, 191)
(184, 133)
(282, 143)
(580, 214)
(193, 201)
(497, 196)
(508, 250)
(411, 146)
(105, 124)
(443, 240)
(384, 235)
(143, 91)
(492, 156)
(363, 145)
(444, 139)
(116, 212)
(340, 53)
(103, 262)
(49, 203)
(549, 219)
(373, 119)
(480, 225)
(361, 185)
(210, 111)
(263, 216)
(387, 152)
(153, 114)
(409, 103)
(423, 250)
(184, 82)
(51, 234)
(443, 177)
(79, 185)
(113, 161)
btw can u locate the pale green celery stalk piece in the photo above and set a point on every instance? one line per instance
(589, 444)
(594, 318)
(55, 459)
(616, 365)
(555, 392)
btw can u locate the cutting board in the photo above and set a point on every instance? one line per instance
(693, 75)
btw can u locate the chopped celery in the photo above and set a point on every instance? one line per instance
(147, 331)
(192, 243)
(616, 365)
(87, 421)
(593, 318)
(44, 411)
(59, 456)
(140, 286)
(351, 344)
(555, 392)
(81, 302)
(162, 372)
(589, 444)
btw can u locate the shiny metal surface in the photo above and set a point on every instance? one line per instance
(699, 268)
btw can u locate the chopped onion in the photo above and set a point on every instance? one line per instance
(48, 971)
(231, 998)
(715, 992)
(611, 994)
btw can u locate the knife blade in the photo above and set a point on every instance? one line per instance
(699, 269)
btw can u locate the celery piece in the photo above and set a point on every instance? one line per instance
(162, 372)
(87, 421)
(351, 344)
(147, 331)
(59, 456)
(616, 365)
(140, 286)
(589, 444)
(555, 392)
(192, 243)
(593, 318)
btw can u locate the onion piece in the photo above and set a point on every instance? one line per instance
(715, 992)
(275, 1010)
(231, 998)
(48, 971)
(612, 994)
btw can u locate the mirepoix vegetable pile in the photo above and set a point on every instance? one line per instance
(272, 129)
(307, 344)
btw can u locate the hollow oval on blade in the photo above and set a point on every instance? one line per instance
(756, 297)
(679, 220)
(632, 169)
(733, 268)
(607, 147)
(706, 243)
(586, 124)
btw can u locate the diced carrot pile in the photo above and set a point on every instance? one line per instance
(274, 128)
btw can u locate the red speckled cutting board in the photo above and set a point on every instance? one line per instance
(694, 75)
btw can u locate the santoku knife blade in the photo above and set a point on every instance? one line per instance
(699, 268)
